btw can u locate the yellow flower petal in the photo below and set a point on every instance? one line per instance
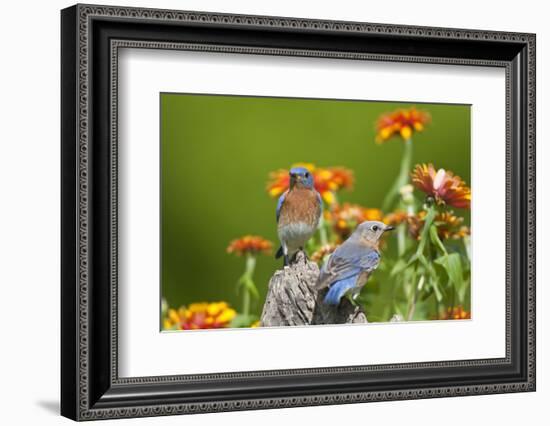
(329, 197)
(227, 315)
(333, 186)
(198, 307)
(406, 132)
(214, 309)
(274, 192)
(324, 174)
(385, 133)
(173, 315)
(373, 214)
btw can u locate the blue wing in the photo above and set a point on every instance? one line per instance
(280, 204)
(349, 260)
(321, 205)
(338, 289)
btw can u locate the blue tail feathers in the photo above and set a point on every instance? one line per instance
(338, 289)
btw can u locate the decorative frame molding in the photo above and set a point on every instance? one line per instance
(91, 37)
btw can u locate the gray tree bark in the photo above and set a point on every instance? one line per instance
(292, 299)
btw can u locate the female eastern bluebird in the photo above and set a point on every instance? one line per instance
(298, 212)
(348, 268)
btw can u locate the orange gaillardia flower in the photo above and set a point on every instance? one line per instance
(326, 180)
(448, 225)
(442, 185)
(455, 313)
(250, 244)
(346, 217)
(199, 316)
(402, 122)
(323, 251)
(395, 218)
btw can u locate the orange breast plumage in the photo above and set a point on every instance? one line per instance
(298, 220)
(300, 205)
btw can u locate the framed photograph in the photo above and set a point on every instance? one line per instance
(263, 212)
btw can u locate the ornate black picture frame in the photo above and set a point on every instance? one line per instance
(91, 36)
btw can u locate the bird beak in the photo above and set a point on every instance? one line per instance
(292, 180)
(389, 228)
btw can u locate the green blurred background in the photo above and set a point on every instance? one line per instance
(216, 155)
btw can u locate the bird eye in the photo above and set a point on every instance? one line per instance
(375, 228)
(307, 175)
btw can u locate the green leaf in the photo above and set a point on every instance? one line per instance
(434, 282)
(453, 267)
(428, 292)
(413, 259)
(423, 261)
(399, 266)
(435, 239)
(241, 321)
(463, 291)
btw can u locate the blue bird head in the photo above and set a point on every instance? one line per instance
(369, 232)
(300, 177)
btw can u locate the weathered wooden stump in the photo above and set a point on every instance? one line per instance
(292, 299)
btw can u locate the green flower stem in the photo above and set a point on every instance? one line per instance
(402, 177)
(401, 239)
(250, 265)
(419, 257)
(416, 290)
(247, 284)
(435, 237)
(425, 231)
(246, 302)
(401, 246)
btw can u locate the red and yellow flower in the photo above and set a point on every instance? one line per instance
(448, 225)
(401, 123)
(199, 316)
(442, 185)
(323, 251)
(455, 313)
(395, 218)
(346, 217)
(327, 181)
(250, 244)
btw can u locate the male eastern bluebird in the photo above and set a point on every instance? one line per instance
(298, 212)
(348, 268)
